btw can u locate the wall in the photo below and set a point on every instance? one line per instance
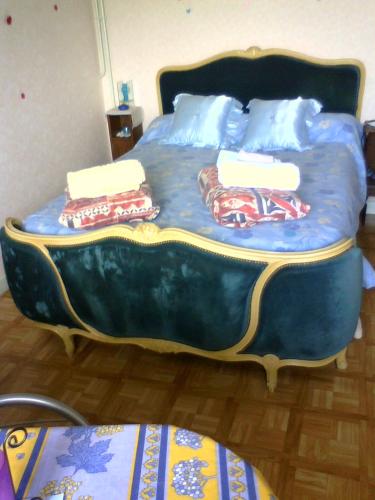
(49, 55)
(148, 34)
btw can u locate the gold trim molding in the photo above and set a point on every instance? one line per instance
(150, 234)
(270, 362)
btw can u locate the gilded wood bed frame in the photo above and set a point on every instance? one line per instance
(173, 291)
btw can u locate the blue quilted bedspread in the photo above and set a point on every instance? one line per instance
(332, 182)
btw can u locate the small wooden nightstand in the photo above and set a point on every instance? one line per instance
(117, 121)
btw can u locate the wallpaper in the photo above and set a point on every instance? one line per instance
(149, 34)
(51, 105)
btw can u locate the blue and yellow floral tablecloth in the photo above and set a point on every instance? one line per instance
(130, 462)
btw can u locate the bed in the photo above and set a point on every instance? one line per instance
(177, 287)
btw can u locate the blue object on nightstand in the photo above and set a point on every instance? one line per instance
(123, 107)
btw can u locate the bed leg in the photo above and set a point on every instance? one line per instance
(271, 379)
(271, 365)
(358, 331)
(341, 362)
(68, 339)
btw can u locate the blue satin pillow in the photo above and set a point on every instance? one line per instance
(235, 126)
(279, 124)
(198, 120)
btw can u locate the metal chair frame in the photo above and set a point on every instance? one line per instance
(43, 401)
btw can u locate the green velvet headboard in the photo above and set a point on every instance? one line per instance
(268, 74)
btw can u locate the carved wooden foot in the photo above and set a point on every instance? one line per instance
(66, 335)
(67, 338)
(271, 365)
(358, 331)
(69, 345)
(80, 343)
(341, 362)
(271, 380)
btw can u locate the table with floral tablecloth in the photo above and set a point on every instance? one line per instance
(130, 462)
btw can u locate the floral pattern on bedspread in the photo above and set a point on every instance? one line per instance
(332, 182)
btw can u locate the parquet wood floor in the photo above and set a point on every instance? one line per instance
(314, 438)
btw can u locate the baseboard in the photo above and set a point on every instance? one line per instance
(370, 205)
(3, 284)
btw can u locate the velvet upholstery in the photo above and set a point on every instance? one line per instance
(178, 292)
(33, 284)
(311, 311)
(167, 291)
(268, 77)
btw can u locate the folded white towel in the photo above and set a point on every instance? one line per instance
(106, 180)
(226, 155)
(267, 174)
(257, 157)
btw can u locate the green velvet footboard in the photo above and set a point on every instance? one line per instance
(172, 291)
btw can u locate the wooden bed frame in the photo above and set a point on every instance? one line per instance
(289, 308)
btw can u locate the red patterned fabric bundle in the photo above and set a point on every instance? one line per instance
(244, 207)
(130, 206)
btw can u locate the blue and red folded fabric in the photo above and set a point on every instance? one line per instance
(129, 206)
(108, 194)
(241, 207)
